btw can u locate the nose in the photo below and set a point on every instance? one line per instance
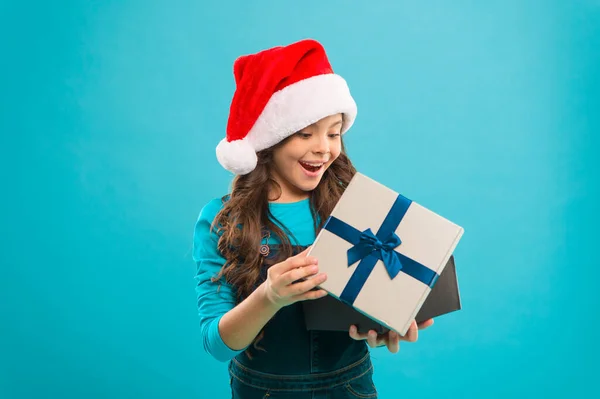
(321, 144)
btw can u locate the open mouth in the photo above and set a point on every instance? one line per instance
(312, 167)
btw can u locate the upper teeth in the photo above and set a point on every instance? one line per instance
(313, 164)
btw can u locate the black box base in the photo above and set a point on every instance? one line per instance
(330, 314)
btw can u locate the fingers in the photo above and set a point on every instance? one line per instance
(370, 337)
(304, 286)
(412, 334)
(310, 295)
(393, 342)
(390, 339)
(295, 279)
(425, 324)
(356, 335)
(298, 273)
(294, 262)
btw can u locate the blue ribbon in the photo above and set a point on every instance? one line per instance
(369, 243)
(369, 248)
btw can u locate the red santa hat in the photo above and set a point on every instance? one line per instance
(280, 91)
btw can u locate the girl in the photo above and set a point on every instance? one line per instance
(284, 145)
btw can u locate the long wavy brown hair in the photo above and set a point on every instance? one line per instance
(248, 205)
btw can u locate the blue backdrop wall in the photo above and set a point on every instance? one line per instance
(486, 112)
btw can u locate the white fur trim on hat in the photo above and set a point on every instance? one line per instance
(288, 111)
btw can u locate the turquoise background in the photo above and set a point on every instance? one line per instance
(110, 111)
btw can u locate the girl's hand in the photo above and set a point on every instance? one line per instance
(287, 282)
(391, 339)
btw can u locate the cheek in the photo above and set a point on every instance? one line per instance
(284, 158)
(335, 151)
(287, 165)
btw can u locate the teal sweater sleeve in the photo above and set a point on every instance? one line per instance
(214, 298)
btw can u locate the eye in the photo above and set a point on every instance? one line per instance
(334, 135)
(304, 135)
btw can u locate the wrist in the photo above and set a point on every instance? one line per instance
(265, 299)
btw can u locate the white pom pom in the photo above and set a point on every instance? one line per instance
(237, 156)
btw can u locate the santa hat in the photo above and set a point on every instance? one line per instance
(280, 91)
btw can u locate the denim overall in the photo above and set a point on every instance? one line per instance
(294, 363)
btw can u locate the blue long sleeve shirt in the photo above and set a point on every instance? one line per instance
(215, 299)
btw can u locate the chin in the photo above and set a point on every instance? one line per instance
(304, 186)
(308, 188)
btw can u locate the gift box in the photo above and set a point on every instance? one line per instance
(331, 314)
(383, 252)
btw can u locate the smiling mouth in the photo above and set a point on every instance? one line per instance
(312, 167)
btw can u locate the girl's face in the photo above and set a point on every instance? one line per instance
(299, 164)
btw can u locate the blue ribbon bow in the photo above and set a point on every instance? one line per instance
(368, 248)
(370, 244)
